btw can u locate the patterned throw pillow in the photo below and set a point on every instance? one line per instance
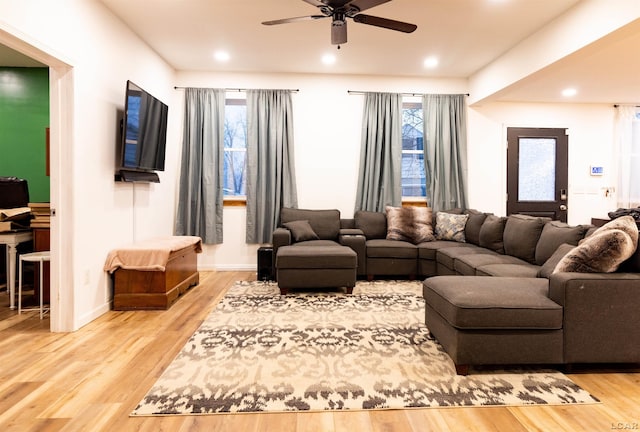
(410, 224)
(604, 250)
(451, 226)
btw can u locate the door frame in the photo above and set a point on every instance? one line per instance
(561, 193)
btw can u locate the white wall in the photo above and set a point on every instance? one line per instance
(103, 54)
(590, 131)
(327, 124)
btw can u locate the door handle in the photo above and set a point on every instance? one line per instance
(563, 207)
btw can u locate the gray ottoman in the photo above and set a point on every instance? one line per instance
(482, 320)
(302, 266)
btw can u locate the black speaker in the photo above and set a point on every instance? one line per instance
(265, 263)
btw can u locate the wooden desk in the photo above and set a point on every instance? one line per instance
(13, 239)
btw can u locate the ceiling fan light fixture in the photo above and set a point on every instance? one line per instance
(338, 32)
(340, 10)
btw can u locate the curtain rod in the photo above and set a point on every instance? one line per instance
(235, 89)
(358, 92)
(617, 105)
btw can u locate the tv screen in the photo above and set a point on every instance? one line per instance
(145, 131)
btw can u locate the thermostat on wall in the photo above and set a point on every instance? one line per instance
(597, 170)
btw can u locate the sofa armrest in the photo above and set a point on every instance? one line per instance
(355, 239)
(281, 237)
(601, 323)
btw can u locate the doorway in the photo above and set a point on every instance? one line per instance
(62, 316)
(537, 172)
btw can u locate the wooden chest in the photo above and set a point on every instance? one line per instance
(143, 289)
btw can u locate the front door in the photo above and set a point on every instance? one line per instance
(537, 172)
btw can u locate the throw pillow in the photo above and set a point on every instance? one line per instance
(411, 224)
(474, 223)
(553, 235)
(491, 233)
(521, 235)
(547, 268)
(301, 230)
(451, 226)
(604, 250)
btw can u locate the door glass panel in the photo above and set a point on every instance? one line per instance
(536, 169)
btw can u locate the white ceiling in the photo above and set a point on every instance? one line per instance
(465, 35)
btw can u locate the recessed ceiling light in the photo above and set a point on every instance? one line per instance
(221, 56)
(569, 92)
(328, 59)
(431, 62)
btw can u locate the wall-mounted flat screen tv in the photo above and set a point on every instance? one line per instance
(144, 135)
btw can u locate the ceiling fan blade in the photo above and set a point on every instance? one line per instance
(316, 3)
(295, 19)
(385, 23)
(339, 32)
(363, 5)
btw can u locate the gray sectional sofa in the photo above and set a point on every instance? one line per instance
(493, 292)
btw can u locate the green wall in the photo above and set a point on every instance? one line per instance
(24, 117)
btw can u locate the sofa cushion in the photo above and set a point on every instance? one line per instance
(477, 302)
(411, 224)
(382, 248)
(547, 268)
(325, 223)
(474, 223)
(491, 233)
(428, 250)
(553, 235)
(447, 256)
(372, 224)
(508, 270)
(451, 226)
(521, 235)
(316, 257)
(301, 230)
(468, 264)
(604, 250)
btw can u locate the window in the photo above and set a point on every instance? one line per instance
(235, 148)
(413, 174)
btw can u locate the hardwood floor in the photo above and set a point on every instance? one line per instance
(90, 380)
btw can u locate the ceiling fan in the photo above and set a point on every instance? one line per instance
(340, 10)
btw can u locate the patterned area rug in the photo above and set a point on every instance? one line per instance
(260, 351)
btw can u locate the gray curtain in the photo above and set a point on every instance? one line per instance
(445, 150)
(380, 174)
(200, 201)
(271, 180)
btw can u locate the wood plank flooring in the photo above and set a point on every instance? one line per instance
(90, 380)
